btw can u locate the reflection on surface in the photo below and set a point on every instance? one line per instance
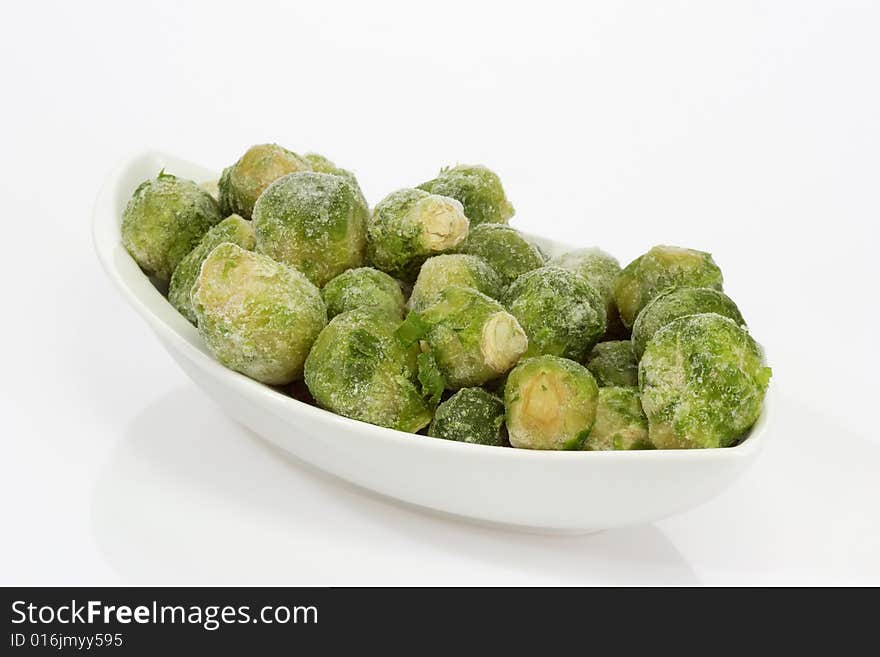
(191, 497)
(805, 513)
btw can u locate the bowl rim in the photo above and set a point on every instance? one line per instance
(171, 327)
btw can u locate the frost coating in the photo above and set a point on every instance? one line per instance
(620, 422)
(505, 249)
(562, 314)
(613, 363)
(660, 268)
(233, 229)
(364, 287)
(477, 188)
(321, 164)
(408, 226)
(471, 336)
(601, 271)
(443, 271)
(315, 222)
(673, 303)
(242, 183)
(257, 316)
(703, 381)
(164, 220)
(360, 369)
(471, 415)
(551, 403)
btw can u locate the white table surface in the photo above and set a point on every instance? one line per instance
(748, 131)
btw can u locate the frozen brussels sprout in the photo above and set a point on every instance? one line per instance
(359, 368)
(613, 363)
(443, 271)
(315, 222)
(662, 267)
(477, 188)
(164, 220)
(233, 229)
(471, 336)
(620, 421)
(601, 271)
(257, 316)
(673, 303)
(562, 314)
(505, 249)
(702, 379)
(242, 183)
(364, 287)
(550, 403)
(408, 226)
(471, 415)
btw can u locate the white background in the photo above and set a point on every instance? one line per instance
(751, 130)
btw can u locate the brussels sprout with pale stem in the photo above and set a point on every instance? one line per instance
(601, 271)
(315, 222)
(550, 403)
(505, 249)
(702, 380)
(562, 314)
(613, 363)
(471, 336)
(257, 316)
(620, 421)
(364, 287)
(164, 220)
(673, 303)
(234, 230)
(242, 183)
(410, 225)
(477, 188)
(359, 368)
(471, 415)
(660, 268)
(443, 271)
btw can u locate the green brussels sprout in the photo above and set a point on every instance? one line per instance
(364, 287)
(442, 271)
(477, 188)
(505, 249)
(613, 363)
(673, 303)
(601, 271)
(550, 403)
(620, 421)
(164, 220)
(471, 415)
(662, 267)
(233, 229)
(359, 368)
(408, 226)
(562, 314)
(471, 336)
(315, 222)
(257, 316)
(242, 183)
(703, 381)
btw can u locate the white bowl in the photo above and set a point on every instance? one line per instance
(533, 490)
